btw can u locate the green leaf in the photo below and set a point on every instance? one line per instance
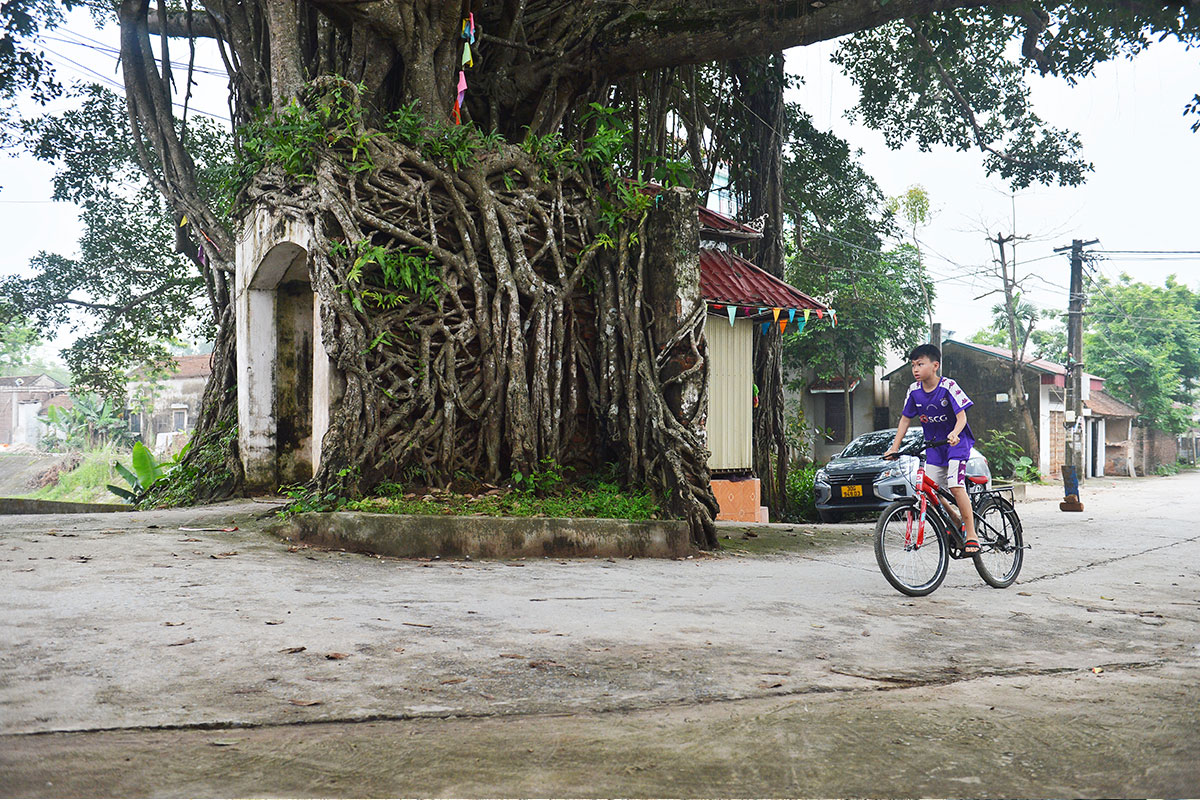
(145, 467)
(129, 477)
(124, 493)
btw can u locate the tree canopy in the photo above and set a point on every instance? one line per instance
(1145, 340)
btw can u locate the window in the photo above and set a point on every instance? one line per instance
(835, 416)
(178, 417)
(135, 422)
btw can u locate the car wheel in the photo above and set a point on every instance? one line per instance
(829, 516)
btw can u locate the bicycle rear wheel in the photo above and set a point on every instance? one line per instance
(1001, 547)
(913, 569)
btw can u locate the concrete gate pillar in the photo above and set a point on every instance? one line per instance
(284, 373)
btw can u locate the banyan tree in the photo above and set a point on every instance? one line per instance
(488, 208)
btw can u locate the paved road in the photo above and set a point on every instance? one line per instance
(137, 658)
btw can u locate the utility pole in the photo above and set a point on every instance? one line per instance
(1018, 340)
(1074, 470)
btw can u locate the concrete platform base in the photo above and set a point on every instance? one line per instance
(740, 500)
(487, 537)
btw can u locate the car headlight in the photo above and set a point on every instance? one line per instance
(894, 471)
(821, 477)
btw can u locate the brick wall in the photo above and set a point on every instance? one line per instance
(1154, 448)
(1058, 444)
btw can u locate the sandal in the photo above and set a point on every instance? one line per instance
(971, 547)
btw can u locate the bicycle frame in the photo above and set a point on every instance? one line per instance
(927, 493)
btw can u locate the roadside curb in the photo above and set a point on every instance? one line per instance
(486, 537)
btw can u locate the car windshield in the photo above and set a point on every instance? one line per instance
(877, 443)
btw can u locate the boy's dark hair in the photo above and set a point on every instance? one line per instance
(928, 351)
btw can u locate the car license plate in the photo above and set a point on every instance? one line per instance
(852, 491)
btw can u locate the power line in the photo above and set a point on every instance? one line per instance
(121, 87)
(115, 54)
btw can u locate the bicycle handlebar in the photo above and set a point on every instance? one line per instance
(914, 449)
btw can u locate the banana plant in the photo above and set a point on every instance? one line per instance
(146, 471)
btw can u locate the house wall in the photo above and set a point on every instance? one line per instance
(158, 426)
(862, 411)
(19, 411)
(1117, 445)
(730, 426)
(982, 377)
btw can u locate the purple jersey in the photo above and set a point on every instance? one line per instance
(937, 411)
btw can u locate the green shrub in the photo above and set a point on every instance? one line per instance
(1003, 453)
(801, 501)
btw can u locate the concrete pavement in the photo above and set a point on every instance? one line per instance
(175, 640)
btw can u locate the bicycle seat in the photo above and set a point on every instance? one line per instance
(977, 478)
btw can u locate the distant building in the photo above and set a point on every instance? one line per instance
(163, 410)
(24, 398)
(1113, 445)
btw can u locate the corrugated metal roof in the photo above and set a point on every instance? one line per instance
(716, 222)
(729, 279)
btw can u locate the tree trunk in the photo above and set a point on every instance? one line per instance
(764, 77)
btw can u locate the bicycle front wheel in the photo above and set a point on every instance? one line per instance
(1001, 548)
(915, 565)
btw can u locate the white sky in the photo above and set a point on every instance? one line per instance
(1142, 195)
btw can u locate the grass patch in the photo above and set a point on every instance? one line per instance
(87, 483)
(603, 501)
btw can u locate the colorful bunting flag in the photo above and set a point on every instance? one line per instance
(732, 313)
(765, 327)
(466, 59)
(800, 329)
(782, 325)
(183, 221)
(820, 314)
(833, 316)
(776, 311)
(791, 315)
(807, 311)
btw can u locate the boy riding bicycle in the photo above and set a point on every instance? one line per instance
(942, 406)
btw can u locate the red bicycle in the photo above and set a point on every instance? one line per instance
(916, 537)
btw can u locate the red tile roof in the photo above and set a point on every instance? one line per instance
(194, 366)
(729, 279)
(1106, 405)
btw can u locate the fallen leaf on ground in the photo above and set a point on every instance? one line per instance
(787, 672)
(416, 625)
(815, 625)
(224, 555)
(172, 624)
(541, 630)
(181, 642)
(224, 742)
(274, 622)
(190, 539)
(1097, 670)
(765, 685)
(511, 655)
(398, 650)
(449, 681)
(543, 664)
(1024, 594)
(210, 530)
(337, 656)
(293, 649)
(305, 702)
